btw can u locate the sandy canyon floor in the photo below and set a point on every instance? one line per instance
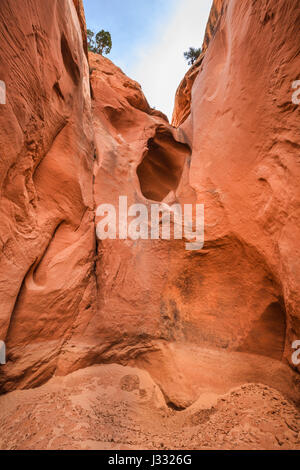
(116, 407)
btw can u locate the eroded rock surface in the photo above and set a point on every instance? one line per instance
(198, 343)
(115, 407)
(47, 234)
(244, 133)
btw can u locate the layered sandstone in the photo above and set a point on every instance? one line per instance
(181, 331)
(47, 153)
(244, 132)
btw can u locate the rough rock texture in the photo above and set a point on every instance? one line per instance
(155, 292)
(81, 16)
(46, 236)
(231, 296)
(115, 407)
(198, 344)
(244, 133)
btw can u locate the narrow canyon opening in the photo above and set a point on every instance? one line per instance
(161, 168)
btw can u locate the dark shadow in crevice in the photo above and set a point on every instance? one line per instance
(161, 168)
(69, 62)
(267, 336)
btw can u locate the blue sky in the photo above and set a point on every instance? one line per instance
(149, 38)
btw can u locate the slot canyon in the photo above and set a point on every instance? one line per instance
(142, 344)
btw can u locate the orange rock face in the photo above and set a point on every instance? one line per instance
(47, 234)
(244, 130)
(177, 329)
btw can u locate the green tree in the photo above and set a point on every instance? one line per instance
(90, 40)
(192, 55)
(103, 42)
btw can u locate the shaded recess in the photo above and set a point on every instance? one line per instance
(69, 62)
(267, 337)
(161, 168)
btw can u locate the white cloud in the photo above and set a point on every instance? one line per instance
(161, 65)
